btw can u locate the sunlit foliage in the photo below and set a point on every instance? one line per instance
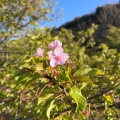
(86, 87)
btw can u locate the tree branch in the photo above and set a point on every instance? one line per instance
(100, 94)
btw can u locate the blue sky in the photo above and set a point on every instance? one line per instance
(74, 8)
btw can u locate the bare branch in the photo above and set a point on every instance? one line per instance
(100, 94)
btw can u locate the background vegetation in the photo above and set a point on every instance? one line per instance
(86, 87)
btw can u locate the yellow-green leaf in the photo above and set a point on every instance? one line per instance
(80, 100)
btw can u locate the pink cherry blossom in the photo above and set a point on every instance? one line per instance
(39, 52)
(57, 57)
(55, 44)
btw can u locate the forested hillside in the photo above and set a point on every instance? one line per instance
(104, 16)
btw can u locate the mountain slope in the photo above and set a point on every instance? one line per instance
(103, 16)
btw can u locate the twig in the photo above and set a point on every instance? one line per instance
(100, 94)
(63, 102)
(38, 93)
(117, 116)
(64, 111)
(19, 106)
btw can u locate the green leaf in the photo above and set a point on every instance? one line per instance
(88, 71)
(83, 85)
(66, 117)
(38, 67)
(67, 73)
(94, 72)
(80, 100)
(49, 105)
(109, 99)
(83, 71)
(2, 95)
(44, 97)
(84, 78)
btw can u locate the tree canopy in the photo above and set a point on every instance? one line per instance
(16, 15)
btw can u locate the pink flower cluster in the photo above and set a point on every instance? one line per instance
(57, 56)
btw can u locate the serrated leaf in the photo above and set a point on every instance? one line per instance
(80, 100)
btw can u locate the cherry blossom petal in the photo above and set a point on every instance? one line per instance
(54, 44)
(53, 62)
(57, 43)
(64, 57)
(51, 54)
(51, 45)
(39, 52)
(58, 51)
